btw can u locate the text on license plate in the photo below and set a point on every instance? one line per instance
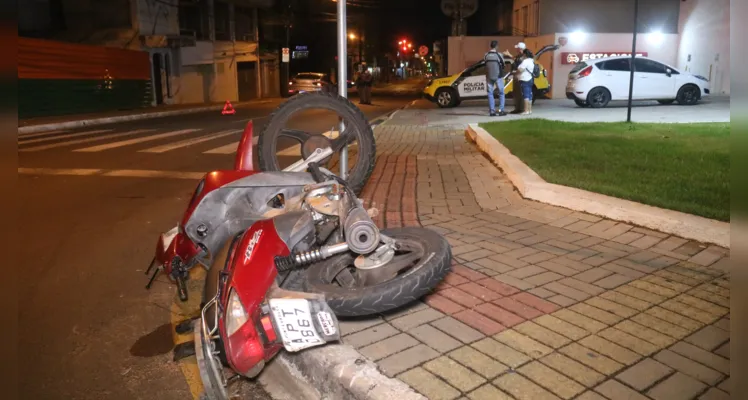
(293, 319)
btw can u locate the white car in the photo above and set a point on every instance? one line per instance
(594, 83)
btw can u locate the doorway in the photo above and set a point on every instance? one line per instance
(246, 76)
(157, 81)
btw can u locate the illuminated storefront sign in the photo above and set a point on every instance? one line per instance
(573, 58)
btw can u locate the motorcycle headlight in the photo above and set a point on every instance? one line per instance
(236, 315)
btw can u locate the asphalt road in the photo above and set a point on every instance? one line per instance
(88, 328)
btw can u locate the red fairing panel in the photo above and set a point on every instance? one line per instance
(251, 274)
(212, 181)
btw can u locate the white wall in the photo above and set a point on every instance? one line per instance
(705, 37)
(664, 51)
(466, 50)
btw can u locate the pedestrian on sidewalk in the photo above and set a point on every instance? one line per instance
(516, 87)
(368, 82)
(526, 78)
(494, 74)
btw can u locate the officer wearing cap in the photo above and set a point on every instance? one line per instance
(516, 91)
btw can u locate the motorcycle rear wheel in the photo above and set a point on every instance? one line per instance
(408, 286)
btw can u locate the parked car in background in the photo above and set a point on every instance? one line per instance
(471, 83)
(313, 82)
(594, 83)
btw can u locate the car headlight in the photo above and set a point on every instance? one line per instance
(545, 72)
(236, 315)
(701, 78)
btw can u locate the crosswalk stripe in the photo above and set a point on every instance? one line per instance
(86, 140)
(33, 135)
(128, 173)
(230, 148)
(225, 149)
(114, 145)
(189, 142)
(69, 136)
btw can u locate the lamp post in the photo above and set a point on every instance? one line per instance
(342, 78)
(633, 57)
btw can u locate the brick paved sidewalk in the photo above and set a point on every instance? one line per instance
(542, 303)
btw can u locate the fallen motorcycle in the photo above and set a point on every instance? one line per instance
(286, 251)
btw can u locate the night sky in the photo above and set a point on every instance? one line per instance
(386, 22)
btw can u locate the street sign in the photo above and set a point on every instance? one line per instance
(423, 50)
(285, 56)
(573, 58)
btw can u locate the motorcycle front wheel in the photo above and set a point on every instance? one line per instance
(311, 121)
(422, 260)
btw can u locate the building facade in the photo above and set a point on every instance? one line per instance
(692, 35)
(200, 51)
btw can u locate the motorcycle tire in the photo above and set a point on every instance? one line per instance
(360, 172)
(399, 291)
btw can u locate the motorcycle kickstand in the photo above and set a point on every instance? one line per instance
(185, 326)
(153, 277)
(184, 350)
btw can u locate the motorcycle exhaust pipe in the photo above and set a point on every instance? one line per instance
(361, 233)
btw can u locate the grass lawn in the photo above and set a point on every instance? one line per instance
(683, 167)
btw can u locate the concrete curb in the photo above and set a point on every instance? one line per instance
(122, 118)
(531, 186)
(338, 371)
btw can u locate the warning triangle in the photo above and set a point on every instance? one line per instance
(228, 109)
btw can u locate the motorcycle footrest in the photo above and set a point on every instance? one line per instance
(184, 350)
(185, 326)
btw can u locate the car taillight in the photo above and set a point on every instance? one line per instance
(585, 72)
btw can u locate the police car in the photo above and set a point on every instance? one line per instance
(470, 84)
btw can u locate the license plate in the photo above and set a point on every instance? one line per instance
(294, 321)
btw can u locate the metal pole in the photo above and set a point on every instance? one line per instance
(633, 57)
(342, 77)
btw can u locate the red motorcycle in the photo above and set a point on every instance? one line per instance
(286, 251)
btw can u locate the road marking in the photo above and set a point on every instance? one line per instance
(70, 136)
(189, 142)
(127, 173)
(225, 149)
(87, 140)
(230, 148)
(123, 143)
(33, 135)
(61, 171)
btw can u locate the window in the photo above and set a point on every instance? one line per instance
(476, 70)
(313, 77)
(649, 66)
(221, 18)
(193, 20)
(619, 64)
(579, 66)
(244, 25)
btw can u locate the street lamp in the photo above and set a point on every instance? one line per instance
(352, 36)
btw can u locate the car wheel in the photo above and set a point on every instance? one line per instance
(581, 103)
(446, 98)
(598, 97)
(666, 102)
(688, 95)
